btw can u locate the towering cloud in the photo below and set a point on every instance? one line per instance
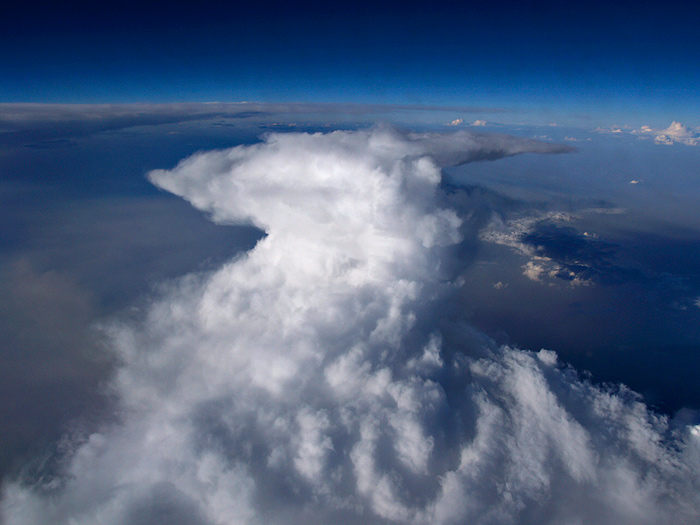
(677, 132)
(326, 377)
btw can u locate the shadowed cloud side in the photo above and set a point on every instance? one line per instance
(322, 378)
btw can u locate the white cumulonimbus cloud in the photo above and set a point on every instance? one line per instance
(323, 377)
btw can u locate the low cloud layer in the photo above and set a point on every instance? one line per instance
(326, 376)
(559, 252)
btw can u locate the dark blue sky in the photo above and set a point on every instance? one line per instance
(585, 63)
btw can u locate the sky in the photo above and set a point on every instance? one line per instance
(349, 263)
(633, 62)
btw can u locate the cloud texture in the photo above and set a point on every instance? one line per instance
(326, 377)
(677, 132)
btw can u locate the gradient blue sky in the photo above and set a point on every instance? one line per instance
(584, 63)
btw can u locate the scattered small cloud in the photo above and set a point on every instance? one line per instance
(479, 123)
(557, 252)
(510, 233)
(609, 130)
(634, 181)
(456, 122)
(676, 133)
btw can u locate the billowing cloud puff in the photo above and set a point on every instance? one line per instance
(677, 132)
(457, 122)
(325, 378)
